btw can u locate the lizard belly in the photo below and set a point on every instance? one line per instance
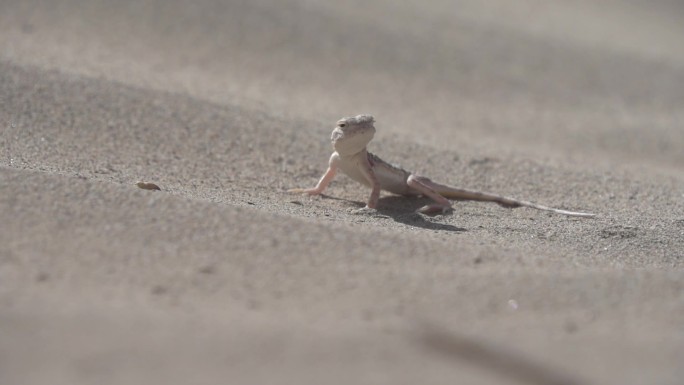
(391, 179)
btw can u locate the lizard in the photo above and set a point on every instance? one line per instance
(350, 138)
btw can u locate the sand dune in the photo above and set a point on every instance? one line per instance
(222, 276)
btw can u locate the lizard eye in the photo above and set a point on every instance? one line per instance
(342, 124)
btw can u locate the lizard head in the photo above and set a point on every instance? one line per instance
(352, 134)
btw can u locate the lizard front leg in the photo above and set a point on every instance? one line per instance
(368, 173)
(324, 181)
(426, 187)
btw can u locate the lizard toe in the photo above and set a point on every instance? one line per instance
(435, 209)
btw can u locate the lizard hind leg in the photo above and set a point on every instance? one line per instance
(423, 186)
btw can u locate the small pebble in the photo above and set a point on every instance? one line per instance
(147, 186)
(513, 304)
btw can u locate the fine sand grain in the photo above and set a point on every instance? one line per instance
(222, 277)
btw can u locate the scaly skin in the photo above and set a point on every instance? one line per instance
(350, 138)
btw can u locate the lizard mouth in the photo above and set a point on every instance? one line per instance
(346, 143)
(337, 134)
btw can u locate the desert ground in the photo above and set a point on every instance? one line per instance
(224, 277)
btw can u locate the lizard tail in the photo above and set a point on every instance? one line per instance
(469, 195)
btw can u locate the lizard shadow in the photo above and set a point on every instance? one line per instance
(404, 210)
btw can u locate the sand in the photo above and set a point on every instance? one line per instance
(223, 277)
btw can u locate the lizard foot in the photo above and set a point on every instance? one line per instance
(435, 209)
(368, 212)
(364, 211)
